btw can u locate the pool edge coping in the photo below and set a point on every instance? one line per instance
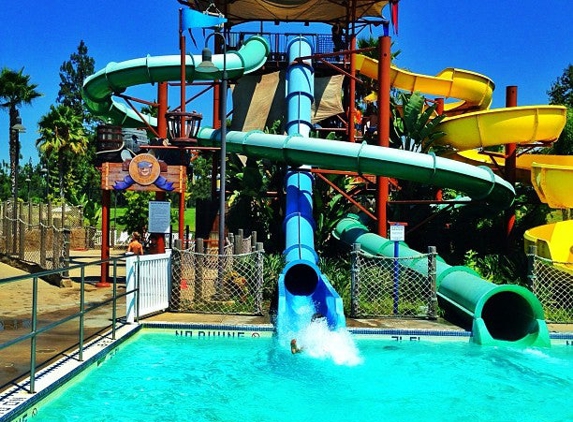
(15, 401)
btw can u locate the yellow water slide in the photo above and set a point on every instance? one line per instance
(551, 175)
(474, 90)
(554, 242)
(482, 127)
(554, 186)
(523, 162)
(513, 125)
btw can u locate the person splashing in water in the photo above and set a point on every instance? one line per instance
(294, 349)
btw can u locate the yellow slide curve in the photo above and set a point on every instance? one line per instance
(554, 186)
(551, 175)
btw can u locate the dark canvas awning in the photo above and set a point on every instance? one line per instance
(238, 11)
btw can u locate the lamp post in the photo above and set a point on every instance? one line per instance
(28, 181)
(207, 66)
(44, 172)
(16, 130)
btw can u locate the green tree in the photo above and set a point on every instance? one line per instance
(561, 91)
(73, 72)
(15, 91)
(415, 125)
(62, 136)
(137, 210)
(251, 208)
(81, 175)
(564, 145)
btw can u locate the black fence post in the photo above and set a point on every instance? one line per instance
(531, 276)
(354, 282)
(433, 298)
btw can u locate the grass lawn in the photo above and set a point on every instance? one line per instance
(118, 212)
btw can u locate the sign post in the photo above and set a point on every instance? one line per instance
(159, 222)
(397, 235)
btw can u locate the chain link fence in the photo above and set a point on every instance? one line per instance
(393, 287)
(41, 234)
(206, 282)
(552, 283)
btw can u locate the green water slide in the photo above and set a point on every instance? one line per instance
(480, 183)
(496, 314)
(115, 78)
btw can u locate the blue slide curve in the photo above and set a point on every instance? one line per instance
(303, 290)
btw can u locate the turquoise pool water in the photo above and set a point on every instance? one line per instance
(163, 377)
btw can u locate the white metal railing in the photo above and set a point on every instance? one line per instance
(148, 284)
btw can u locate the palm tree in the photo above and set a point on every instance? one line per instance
(15, 91)
(415, 124)
(62, 135)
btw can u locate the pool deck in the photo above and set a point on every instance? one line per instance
(241, 320)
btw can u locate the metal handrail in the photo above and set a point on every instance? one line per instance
(322, 43)
(35, 331)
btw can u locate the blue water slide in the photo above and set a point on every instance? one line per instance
(303, 290)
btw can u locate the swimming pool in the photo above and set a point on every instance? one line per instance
(157, 376)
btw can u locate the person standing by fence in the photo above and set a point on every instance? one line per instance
(337, 37)
(135, 247)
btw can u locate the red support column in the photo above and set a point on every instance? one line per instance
(105, 205)
(162, 131)
(352, 83)
(384, 61)
(162, 109)
(510, 165)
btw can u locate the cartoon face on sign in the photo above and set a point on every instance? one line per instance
(144, 169)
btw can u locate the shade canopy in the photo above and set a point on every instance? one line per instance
(238, 11)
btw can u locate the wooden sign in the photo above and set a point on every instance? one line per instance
(143, 173)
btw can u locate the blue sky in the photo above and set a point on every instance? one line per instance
(514, 42)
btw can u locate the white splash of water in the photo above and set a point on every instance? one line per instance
(319, 342)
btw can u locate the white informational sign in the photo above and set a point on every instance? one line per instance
(397, 232)
(159, 217)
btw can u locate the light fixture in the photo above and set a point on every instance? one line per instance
(206, 65)
(18, 127)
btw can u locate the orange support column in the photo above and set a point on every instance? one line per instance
(384, 62)
(352, 82)
(510, 164)
(162, 131)
(162, 109)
